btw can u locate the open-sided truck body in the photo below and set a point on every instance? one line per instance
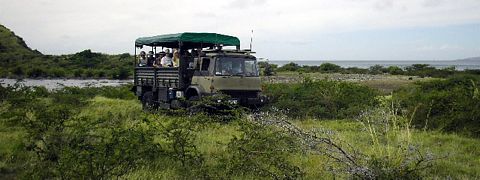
(198, 76)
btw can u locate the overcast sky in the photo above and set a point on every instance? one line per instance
(283, 30)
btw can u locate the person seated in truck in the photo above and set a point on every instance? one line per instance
(176, 58)
(167, 59)
(142, 60)
(150, 58)
(158, 58)
(194, 53)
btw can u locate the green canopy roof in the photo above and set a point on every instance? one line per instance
(188, 39)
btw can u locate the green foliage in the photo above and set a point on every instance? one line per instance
(36, 72)
(451, 105)
(18, 61)
(179, 140)
(290, 67)
(61, 144)
(217, 108)
(268, 69)
(80, 135)
(61, 141)
(123, 73)
(392, 155)
(425, 70)
(355, 70)
(329, 67)
(321, 99)
(395, 70)
(262, 152)
(377, 69)
(422, 70)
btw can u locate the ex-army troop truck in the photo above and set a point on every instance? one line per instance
(205, 68)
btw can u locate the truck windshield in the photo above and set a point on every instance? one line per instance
(228, 66)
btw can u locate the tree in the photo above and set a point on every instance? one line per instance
(329, 67)
(395, 70)
(377, 69)
(290, 67)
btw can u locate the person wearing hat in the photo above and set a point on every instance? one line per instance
(158, 57)
(142, 61)
(167, 59)
(150, 58)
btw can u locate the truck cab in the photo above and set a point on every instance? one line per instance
(210, 71)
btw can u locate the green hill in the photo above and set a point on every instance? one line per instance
(17, 60)
(13, 46)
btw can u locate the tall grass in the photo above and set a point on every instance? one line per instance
(380, 144)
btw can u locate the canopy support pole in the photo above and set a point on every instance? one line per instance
(181, 64)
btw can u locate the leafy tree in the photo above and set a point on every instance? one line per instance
(395, 70)
(289, 67)
(377, 69)
(329, 67)
(321, 99)
(451, 105)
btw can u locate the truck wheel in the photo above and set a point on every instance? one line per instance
(176, 104)
(148, 102)
(194, 98)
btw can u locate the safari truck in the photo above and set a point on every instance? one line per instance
(205, 68)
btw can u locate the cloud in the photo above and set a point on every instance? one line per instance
(112, 25)
(384, 5)
(205, 15)
(242, 4)
(433, 3)
(444, 47)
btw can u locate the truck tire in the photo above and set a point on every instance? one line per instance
(194, 98)
(148, 103)
(176, 104)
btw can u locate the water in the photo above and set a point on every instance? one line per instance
(60, 83)
(459, 65)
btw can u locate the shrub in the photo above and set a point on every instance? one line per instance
(100, 74)
(217, 108)
(58, 72)
(268, 69)
(261, 151)
(18, 71)
(123, 73)
(125, 56)
(179, 136)
(321, 99)
(451, 105)
(395, 70)
(36, 72)
(78, 73)
(393, 155)
(60, 143)
(329, 67)
(289, 67)
(355, 70)
(89, 73)
(377, 69)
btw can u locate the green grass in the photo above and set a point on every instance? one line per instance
(459, 156)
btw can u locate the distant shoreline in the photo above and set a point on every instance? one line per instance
(439, 64)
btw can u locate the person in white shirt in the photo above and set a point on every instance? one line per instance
(142, 61)
(167, 59)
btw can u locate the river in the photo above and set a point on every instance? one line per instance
(52, 84)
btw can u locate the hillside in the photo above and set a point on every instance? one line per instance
(12, 45)
(17, 60)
